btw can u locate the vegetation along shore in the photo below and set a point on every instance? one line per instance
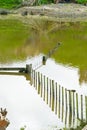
(59, 10)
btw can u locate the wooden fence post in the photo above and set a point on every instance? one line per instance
(82, 107)
(73, 91)
(77, 105)
(36, 81)
(62, 103)
(34, 77)
(59, 101)
(86, 106)
(66, 106)
(47, 90)
(44, 89)
(31, 76)
(52, 95)
(28, 68)
(70, 107)
(57, 96)
(44, 60)
(39, 85)
(56, 99)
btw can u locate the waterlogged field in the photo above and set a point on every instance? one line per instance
(20, 40)
(12, 36)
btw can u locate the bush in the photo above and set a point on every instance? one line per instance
(9, 3)
(41, 2)
(81, 1)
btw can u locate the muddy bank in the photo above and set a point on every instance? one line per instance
(62, 11)
(55, 12)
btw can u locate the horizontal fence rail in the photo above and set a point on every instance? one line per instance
(12, 69)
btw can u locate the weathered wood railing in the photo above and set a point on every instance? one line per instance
(68, 105)
(12, 69)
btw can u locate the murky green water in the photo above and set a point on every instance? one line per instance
(19, 41)
(41, 36)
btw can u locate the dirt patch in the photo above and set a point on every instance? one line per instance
(57, 11)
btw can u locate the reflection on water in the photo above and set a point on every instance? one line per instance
(66, 76)
(18, 41)
(83, 76)
(55, 83)
(26, 107)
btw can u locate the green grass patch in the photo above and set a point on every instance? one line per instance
(13, 35)
(9, 4)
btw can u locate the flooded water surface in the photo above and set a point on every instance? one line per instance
(24, 105)
(66, 70)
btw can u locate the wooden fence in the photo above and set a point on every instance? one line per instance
(68, 105)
